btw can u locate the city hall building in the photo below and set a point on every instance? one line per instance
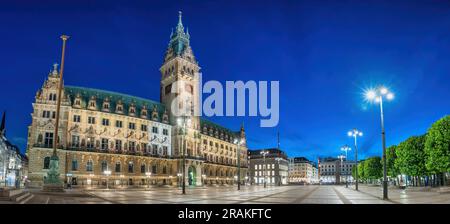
(138, 141)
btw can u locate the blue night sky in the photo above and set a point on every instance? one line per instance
(322, 52)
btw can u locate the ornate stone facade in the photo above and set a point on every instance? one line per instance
(138, 140)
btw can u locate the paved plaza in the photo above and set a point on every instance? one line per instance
(311, 194)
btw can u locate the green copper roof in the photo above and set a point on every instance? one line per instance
(179, 41)
(114, 97)
(219, 128)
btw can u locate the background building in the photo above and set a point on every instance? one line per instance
(302, 171)
(139, 140)
(333, 171)
(13, 165)
(274, 163)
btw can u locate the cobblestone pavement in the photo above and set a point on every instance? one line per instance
(248, 195)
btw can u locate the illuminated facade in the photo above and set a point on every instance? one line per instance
(138, 141)
(302, 171)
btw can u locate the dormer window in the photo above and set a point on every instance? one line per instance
(119, 107)
(132, 110)
(105, 106)
(144, 112)
(155, 114)
(92, 103)
(165, 117)
(77, 102)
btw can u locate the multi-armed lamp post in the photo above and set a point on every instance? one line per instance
(377, 95)
(355, 134)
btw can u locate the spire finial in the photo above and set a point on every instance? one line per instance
(179, 17)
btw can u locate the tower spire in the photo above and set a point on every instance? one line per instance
(180, 28)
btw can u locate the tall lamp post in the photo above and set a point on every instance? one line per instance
(238, 141)
(345, 148)
(182, 121)
(279, 175)
(355, 134)
(377, 96)
(264, 153)
(342, 158)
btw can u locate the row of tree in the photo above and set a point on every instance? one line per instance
(424, 160)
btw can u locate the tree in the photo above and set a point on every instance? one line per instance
(361, 173)
(392, 171)
(411, 157)
(372, 168)
(437, 147)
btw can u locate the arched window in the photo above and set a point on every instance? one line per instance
(117, 168)
(104, 166)
(89, 166)
(47, 162)
(130, 167)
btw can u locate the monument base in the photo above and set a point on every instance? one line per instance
(53, 188)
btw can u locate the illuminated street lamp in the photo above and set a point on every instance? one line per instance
(345, 148)
(342, 158)
(376, 95)
(148, 175)
(204, 179)
(183, 121)
(179, 179)
(355, 134)
(238, 141)
(264, 153)
(107, 174)
(279, 174)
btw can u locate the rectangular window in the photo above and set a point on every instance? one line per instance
(76, 118)
(75, 141)
(90, 143)
(155, 149)
(165, 151)
(91, 120)
(118, 145)
(118, 124)
(117, 168)
(131, 126)
(74, 165)
(105, 122)
(132, 146)
(143, 127)
(46, 114)
(48, 141)
(143, 168)
(53, 114)
(155, 130)
(166, 132)
(104, 144)
(144, 147)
